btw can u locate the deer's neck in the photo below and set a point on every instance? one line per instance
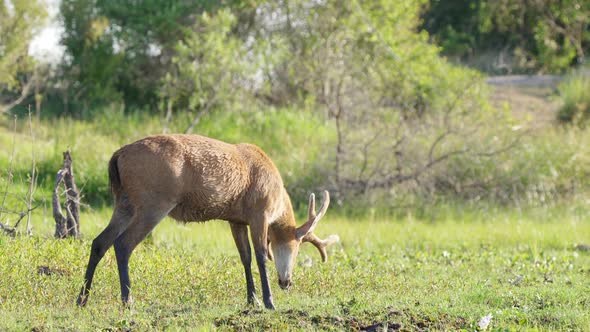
(286, 221)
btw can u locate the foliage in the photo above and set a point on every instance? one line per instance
(278, 131)
(523, 270)
(394, 118)
(547, 167)
(398, 108)
(92, 65)
(209, 71)
(121, 51)
(523, 35)
(19, 20)
(118, 50)
(575, 99)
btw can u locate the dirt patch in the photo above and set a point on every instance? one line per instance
(387, 320)
(530, 98)
(48, 271)
(533, 108)
(382, 327)
(258, 319)
(525, 80)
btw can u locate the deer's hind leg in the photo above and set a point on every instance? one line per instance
(120, 220)
(142, 223)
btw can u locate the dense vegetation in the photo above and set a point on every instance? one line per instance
(397, 120)
(452, 201)
(512, 36)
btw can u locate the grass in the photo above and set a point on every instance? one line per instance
(437, 266)
(405, 273)
(574, 97)
(279, 132)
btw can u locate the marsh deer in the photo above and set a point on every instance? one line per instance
(195, 178)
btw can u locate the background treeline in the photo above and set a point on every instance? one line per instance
(512, 36)
(354, 96)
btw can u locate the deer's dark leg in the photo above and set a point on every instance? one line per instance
(119, 222)
(258, 230)
(141, 225)
(240, 234)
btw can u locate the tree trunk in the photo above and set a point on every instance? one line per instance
(68, 225)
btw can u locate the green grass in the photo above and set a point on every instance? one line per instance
(294, 140)
(574, 98)
(442, 275)
(436, 263)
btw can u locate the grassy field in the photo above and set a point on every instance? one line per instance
(406, 274)
(435, 265)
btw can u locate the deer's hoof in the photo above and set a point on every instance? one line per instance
(127, 302)
(269, 305)
(253, 301)
(81, 301)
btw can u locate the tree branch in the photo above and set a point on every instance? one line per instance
(24, 94)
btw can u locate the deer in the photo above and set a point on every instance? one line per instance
(193, 178)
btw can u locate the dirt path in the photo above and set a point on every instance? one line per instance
(525, 80)
(530, 98)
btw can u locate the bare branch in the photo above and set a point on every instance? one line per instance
(68, 225)
(198, 117)
(23, 214)
(33, 180)
(60, 220)
(23, 94)
(506, 148)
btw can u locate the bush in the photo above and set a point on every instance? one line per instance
(575, 99)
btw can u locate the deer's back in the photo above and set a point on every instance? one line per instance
(201, 177)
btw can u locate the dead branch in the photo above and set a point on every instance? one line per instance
(21, 215)
(72, 196)
(33, 180)
(199, 115)
(9, 230)
(61, 230)
(68, 225)
(23, 94)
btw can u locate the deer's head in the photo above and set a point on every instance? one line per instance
(285, 241)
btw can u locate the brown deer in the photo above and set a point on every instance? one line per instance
(195, 178)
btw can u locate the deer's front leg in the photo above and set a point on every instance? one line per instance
(240, 234)
(258, 231)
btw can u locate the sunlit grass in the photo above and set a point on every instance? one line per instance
(440, 264)
(417, 273)
(574, 98)
(294, 140)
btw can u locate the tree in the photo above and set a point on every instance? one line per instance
(120, 51)
(215, 66)
(18, 21)
(206, 67)
(524, 35)
(400, 111)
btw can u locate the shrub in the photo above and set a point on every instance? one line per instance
(575, 98)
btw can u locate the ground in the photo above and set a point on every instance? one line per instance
(532, 99)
